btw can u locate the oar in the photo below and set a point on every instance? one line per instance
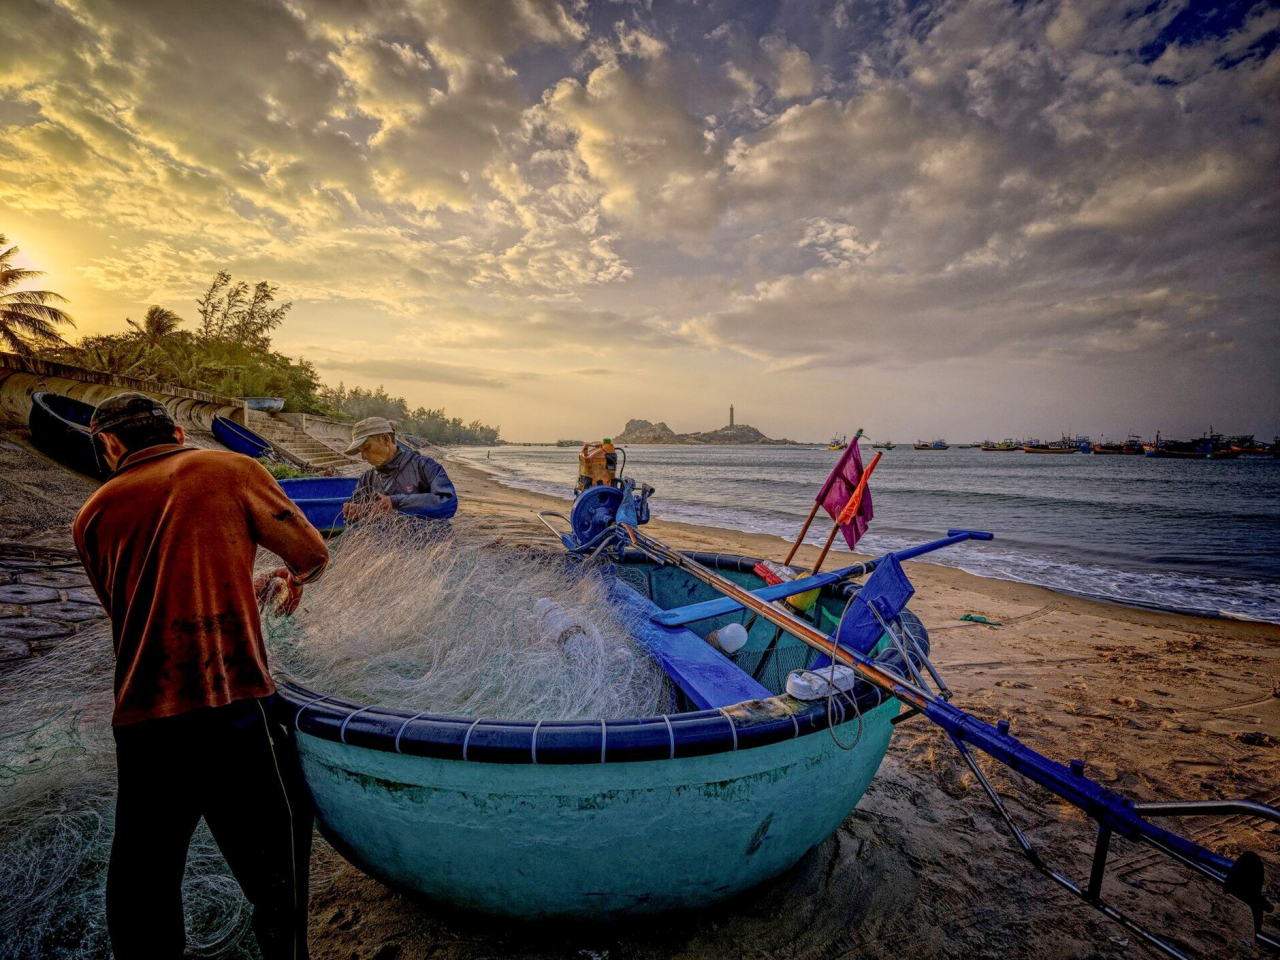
(722, 605)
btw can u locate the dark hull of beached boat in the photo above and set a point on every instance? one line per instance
(237, 439)
(599, 819)
(60, 429)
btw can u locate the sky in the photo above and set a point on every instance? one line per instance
(923, 219)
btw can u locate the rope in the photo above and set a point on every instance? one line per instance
(832, 692)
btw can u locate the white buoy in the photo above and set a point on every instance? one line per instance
(730, 638)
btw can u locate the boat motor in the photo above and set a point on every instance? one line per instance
(597, 513)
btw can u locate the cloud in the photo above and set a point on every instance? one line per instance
(418, 371)
(1067, 182)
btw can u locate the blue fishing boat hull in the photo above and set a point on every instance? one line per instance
(595, 820)
(60, 429)
(321, 499)
(237, 439)
(588, 842)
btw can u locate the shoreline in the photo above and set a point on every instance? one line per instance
(485, 485)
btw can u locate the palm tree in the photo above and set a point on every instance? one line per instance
(156, 327)
(26, 316)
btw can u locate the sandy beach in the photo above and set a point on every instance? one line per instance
(1159, 706)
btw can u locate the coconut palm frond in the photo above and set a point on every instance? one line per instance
(35, 310)
(12, 276)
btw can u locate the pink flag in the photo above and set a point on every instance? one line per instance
(839, 488)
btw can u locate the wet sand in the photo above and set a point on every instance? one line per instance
(1160, 706)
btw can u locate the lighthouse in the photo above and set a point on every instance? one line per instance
(731, 414)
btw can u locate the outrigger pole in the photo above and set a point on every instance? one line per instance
(1114, 814)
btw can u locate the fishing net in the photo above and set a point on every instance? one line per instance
(57, 800)
(422, 617)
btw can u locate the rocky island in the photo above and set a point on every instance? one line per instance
(643, 431)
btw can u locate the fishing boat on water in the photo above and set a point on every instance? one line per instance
(765, 747)
(887, 445)
(60, 429)
(1211, 446)
(1129, 448)
(931, 445)
(1064, 445)
(838, 443)
(1004, 446)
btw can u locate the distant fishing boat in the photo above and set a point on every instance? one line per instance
(60, 429)
(1129, 448)
(838, 443)
(1065, 445)
(931, 445)
(239, 439)
(1004, 446)
(887, 445)
(1211, 446)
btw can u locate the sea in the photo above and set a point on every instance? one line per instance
(1193, 536)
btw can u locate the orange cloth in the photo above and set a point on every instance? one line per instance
(169, 543)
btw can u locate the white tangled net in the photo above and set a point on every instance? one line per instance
(408, 615)
(427, 618)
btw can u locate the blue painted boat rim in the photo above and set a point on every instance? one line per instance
(742, 726)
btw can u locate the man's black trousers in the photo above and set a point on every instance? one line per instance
(233, 766)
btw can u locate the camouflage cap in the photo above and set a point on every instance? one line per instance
(126, 409)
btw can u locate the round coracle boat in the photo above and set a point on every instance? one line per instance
(598, 819)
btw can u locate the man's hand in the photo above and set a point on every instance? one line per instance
(352, 511)
(279, 590)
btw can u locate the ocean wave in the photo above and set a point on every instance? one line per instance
(1084, 574)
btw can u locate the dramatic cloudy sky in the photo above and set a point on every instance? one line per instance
(921, 218)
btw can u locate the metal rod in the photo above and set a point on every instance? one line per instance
(1099, 868)
(1208, 808)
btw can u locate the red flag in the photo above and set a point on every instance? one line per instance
(836, 495)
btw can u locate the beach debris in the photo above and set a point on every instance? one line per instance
(977, 618)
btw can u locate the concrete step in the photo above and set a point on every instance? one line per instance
(285, 436)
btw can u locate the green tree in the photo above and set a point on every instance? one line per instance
(156, 327)
(27, 318)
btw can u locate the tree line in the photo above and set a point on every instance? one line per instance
(229, 353)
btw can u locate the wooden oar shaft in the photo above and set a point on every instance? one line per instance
(802, 630)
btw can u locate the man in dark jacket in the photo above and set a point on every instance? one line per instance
(400, 480)
(169, 543)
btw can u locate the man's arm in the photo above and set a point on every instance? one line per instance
(279, 526)
(87, 559)
(435, 497)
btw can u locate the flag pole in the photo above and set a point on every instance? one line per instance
(816, 504)
(848, 513)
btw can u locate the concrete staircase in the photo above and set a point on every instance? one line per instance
(301, 447)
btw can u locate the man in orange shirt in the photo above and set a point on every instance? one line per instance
(169, 543)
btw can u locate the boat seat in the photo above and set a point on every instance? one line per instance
(706, 676)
